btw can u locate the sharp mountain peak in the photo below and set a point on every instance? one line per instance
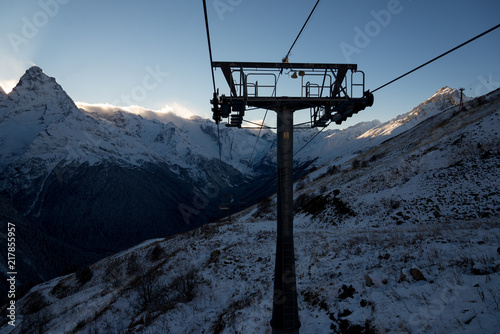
(36, 81)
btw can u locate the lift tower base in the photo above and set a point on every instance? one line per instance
(285, 309)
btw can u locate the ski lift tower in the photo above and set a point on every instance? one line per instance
(332, 92)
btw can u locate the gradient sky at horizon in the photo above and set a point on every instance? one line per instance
(154, 53)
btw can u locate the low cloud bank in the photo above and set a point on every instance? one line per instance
(169, 113)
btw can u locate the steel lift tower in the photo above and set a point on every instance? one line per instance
(332, 92)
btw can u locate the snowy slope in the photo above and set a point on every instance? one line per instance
(3, 95)
(98, 179)
(452, 155)
(403, 238)
(338, 146)
(335, 145)
(441, 100)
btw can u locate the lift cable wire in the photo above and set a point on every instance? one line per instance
(310, 140)
(213, 76)
(419, 67)
(300, 32)
(274, 91)
(442, 55)
(255, 144)
(260, 125)
(209, 44)
(303, 123)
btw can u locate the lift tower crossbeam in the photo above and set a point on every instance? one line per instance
(330, 93)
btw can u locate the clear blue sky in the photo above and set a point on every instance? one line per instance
(155, 51)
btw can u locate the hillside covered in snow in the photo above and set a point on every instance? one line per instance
(397, 235)
(86, 181)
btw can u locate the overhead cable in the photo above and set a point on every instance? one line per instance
(310, 140)
(300, 32)
(213, 76)
(442, 55)
(209, 44)
(415, 69)
(279, 74)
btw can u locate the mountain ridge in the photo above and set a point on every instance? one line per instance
(81, 175)
(444, 98)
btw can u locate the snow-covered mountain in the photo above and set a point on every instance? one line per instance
(3, 95)
(402, 238)
(344, 144)
(441, 100)
(101, 179)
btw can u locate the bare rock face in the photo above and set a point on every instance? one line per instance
(368, 280)
(413, 273)
(417, 275)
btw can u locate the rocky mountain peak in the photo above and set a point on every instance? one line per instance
(445, 90)
(36, 83)
(38, 93)
(3, 95)
(444, 98)
(444, 93)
